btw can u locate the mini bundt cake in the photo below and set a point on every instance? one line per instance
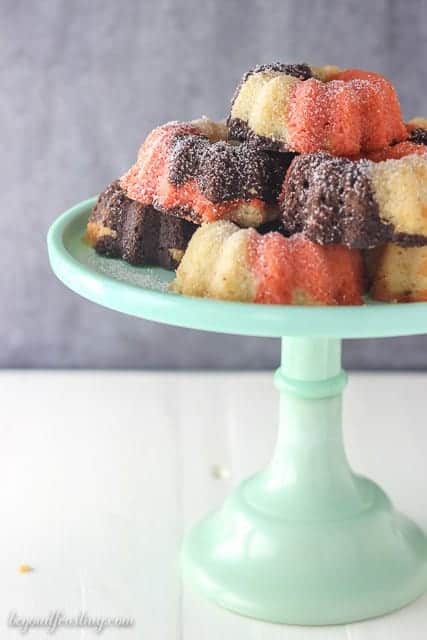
(122, 228)
(307, 109)
(189, 170)
(398, 274)
(223, 261)
(359, 204)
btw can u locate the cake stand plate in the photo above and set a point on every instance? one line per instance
(304, 541)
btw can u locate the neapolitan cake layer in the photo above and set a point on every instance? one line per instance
(223, 261)
(122, 228)
(359, 204)
(189, 170)
(305, 109)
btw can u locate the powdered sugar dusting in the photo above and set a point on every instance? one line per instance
(184, 169)
(152, 278)
(344, 112)
(356, 111)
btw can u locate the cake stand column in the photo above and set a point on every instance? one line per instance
(309, 477)
(307, 541)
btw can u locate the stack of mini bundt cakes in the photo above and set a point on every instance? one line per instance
(314, 192)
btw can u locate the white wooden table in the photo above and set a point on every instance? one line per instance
(102, 473)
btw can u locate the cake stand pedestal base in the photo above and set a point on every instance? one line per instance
(306, 541)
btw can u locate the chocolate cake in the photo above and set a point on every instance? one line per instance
(418, 136)
(417, 130)
(140, 234)
(359, 204)
(189, 170)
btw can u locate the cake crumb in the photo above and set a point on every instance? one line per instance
(25, 568)
(220, 472)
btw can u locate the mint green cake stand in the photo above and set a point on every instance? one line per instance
(304, 541)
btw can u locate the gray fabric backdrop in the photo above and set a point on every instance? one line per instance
(82, 83)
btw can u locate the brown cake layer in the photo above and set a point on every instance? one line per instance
(300, 70)
(140, 234)
(418, 135)
(359, 204)
(239, 130)
(225, 171)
